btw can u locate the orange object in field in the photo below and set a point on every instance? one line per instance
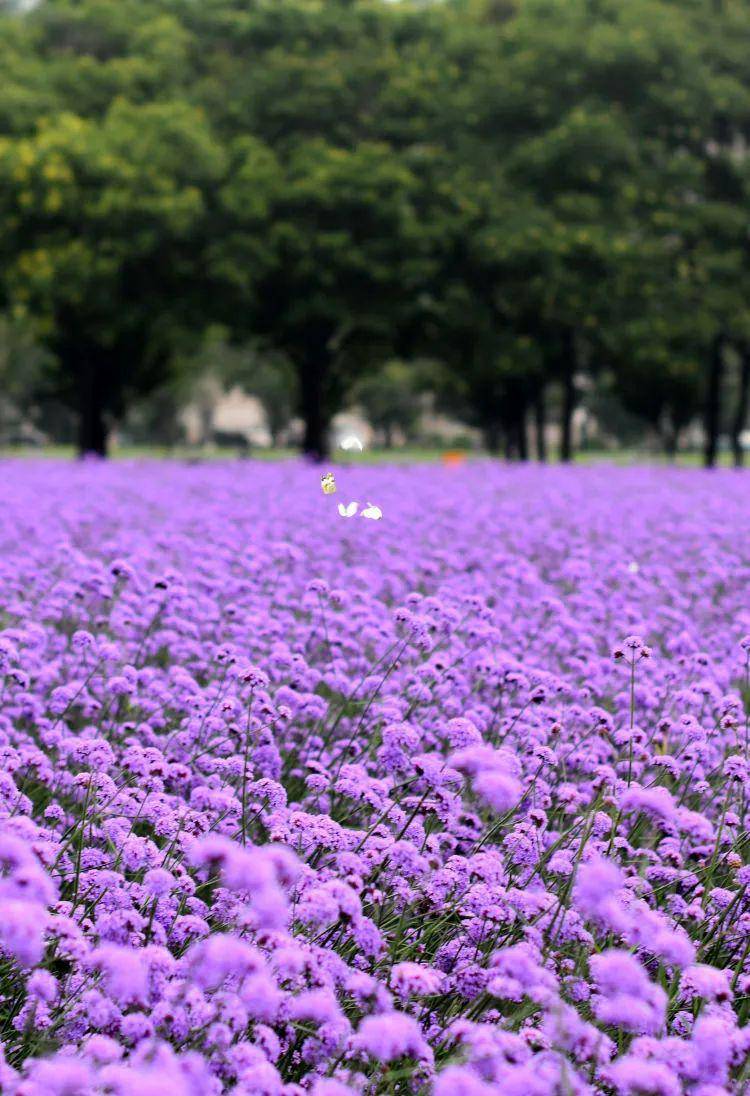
(452, 458)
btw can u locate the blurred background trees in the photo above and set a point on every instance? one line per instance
(530, 215)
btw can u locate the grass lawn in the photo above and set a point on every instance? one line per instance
(406, 455)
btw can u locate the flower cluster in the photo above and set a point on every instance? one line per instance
(455, 804)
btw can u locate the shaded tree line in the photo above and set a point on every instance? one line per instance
(523, 192)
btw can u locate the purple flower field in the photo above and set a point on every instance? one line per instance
(453, 802)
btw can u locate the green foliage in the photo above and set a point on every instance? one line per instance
(103, 220)
(522, 190)
(390, 400)
(25, 368)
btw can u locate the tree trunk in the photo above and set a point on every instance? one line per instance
(569, 396)
(713, 401)
(522, 434)
(491, 433)
(92, 430)
(313, 374)
(740, 417)
(670, 438)
(388, 436)
(540, 425)
(206, 416)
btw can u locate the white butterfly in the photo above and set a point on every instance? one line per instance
(373, 512)
(633, 568)
(351, 442)
(348, 511)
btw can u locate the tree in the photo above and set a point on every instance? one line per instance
(104, 226)
(345, 256)
(330, 92)
(714, 226)
(389, 398)
(612, 121)
(743, 399)
(24, 366)
(491, 372)
(540, 163)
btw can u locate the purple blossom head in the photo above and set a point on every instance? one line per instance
(389, 1036)
(625, 996)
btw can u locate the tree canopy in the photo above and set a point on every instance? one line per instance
(526, 191)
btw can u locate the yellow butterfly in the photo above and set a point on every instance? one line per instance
(328, 483)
